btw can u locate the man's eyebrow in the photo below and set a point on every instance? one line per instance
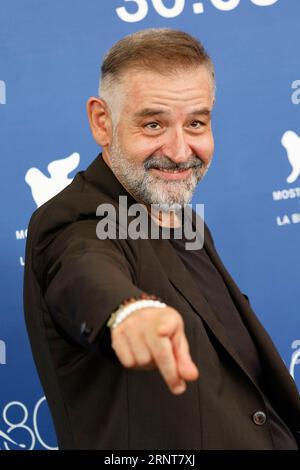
(203, 111)
(148, 112)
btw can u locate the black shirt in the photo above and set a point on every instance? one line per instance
(213, 288)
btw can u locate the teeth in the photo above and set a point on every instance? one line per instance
(171, 171)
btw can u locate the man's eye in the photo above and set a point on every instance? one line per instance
(152, 125)
(197, 124)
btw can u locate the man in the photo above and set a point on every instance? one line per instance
(194, 369)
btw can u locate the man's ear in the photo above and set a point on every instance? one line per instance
(100, 121)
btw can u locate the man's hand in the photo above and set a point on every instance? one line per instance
(154, 337)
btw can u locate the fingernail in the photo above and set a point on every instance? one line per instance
(179, 389)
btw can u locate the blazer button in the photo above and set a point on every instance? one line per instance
(84, 329)
(259, 418)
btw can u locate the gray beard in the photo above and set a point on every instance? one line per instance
(149, 189)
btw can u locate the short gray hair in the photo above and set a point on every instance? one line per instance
(153, 49)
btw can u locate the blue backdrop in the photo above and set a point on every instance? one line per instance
(50, 55)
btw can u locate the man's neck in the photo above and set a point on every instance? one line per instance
(164, 219)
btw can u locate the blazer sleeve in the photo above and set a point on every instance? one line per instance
(83, 280)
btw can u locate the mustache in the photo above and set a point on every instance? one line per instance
(164, 163)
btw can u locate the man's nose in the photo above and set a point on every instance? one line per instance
(177, 148)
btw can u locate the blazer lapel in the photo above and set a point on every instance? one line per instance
(270, 358)
(184, 282)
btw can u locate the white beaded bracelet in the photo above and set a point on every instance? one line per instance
(119, 315)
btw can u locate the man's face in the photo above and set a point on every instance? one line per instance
(163, 143)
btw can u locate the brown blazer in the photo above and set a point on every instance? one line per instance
(73, 281)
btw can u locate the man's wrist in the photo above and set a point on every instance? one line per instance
(132, 304)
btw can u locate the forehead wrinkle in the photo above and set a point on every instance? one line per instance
(170, 95)
(155, 111)
(147, 83)
(146, 94)
(166, 90)
(163, 103)
(156, 96)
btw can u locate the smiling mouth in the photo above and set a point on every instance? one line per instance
(172, 174)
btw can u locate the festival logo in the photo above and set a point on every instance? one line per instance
(22, 430)
(44, 187)
(291, 142)
(295, 359)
